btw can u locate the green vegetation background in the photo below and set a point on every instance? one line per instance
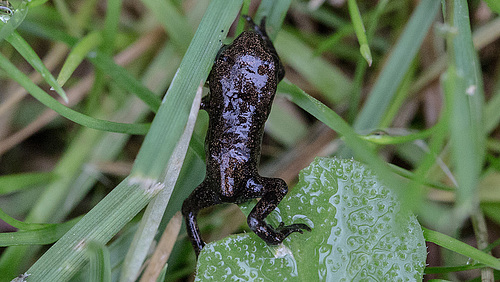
(412, 88)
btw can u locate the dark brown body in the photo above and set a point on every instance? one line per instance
(242, 85)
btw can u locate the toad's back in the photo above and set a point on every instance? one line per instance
(242, 86)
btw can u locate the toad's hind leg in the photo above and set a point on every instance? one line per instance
(202, 197)
(271, 191)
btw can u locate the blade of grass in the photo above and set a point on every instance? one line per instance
(275, 12)
(34, 3)
(494, 5)
(448, 269)
(77, 54)
(333, 84)
(32, 58)
(359, 29)
(156, 208)
(397, 65)
(110, 31)
(67, 18)
(66, 112)
(457, 246)
(465, 98)
(16, 182)
(125, 80)
(170, 17)
(361, 65)
(41, 236)
(326, 115)
(19, 224)
(100, 265)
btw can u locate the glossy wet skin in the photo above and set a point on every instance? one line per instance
(242, 85)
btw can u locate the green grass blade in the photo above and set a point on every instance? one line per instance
(125, 80)
(100, 224)
(333, 84)
(77, 54)
(359, 28)
(275, 12)
(113, 11)
(465, 98)
(457, 246)
(32, 58)
(19, 224)
(34, 3)
(447, 269)
(491, 112)
(16, 182)
(494, 5)
(170, 17)
(66, 112)
(397, 65)
(100, 264)
(41, 236)
(67, 18)
(156, 209)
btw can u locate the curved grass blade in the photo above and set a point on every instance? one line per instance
(462, 248)
(16, 182)
(66, 112)
(41, 236)
(32, 58)
(125, 80)
(19, 224)
(335, 122)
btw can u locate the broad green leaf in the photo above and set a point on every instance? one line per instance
(359, 232)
